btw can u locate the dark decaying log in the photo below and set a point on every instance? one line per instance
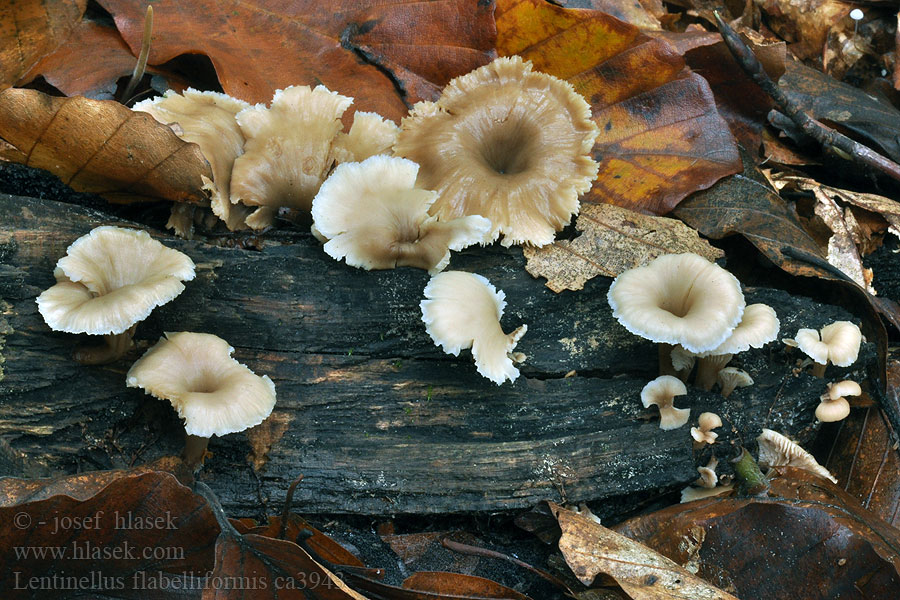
(376, 417)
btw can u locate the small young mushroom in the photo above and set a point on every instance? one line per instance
(109, 280)
(759, 325)
(834, 405)
(777, 450)
(212, 392)
(373, 217)
(508, 143)
(678, 299)
(661, 392)
(708, 477)
(683, 362)
(289, 150)
(463, 310)
(707, 484)
(703, 433)
(837, 343)
(730, 378)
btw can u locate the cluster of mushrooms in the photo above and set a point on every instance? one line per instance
(111, 279)
(695, 311)
(505, 151)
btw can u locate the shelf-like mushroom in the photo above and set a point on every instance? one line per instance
(109, 280)
(212, 392)
(777, 450)
(372, 216)
(507, 143)
(463, 310)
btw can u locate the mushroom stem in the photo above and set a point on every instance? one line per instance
(665, 360)
(708, 368)
(749, 474)
(114, 347)
(194, 451)
(819, 369)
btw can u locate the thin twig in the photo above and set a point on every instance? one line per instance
(286, 511)
(476, 551)
(141, 65)
(823, 134)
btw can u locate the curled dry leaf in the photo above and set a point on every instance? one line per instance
(142, 526)
(842, 251)
(612, 240)
(100, 146)
(806, 540)
(591, 549)
(661, 137)
(411, 49)
(31, 29)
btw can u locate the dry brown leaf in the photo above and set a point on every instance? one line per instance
(385, 54)
(613, 239)
(591, 549)
(102, 147)
(30, 29)
(804, 23)
(842, 252)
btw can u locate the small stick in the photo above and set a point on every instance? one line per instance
(476, 551)
(823, 134)
(141, 65)
(286, 511)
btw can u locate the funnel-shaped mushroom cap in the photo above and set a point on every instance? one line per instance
(678, 299)
(288, 152)
(373, 217)
(463, 310)
(507, 143)
(212, 392)
(661, 392)
(839, 343)
(208, 120)
(111, 279)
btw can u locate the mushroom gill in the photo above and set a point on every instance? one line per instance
(507, 143)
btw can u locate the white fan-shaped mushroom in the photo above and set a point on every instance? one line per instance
(463, 310)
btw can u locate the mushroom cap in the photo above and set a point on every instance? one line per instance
(507, 143)
(777, 450)
(373, 217)
(759, 325)
(708, 477)
(678, 299)
(843, 388)
(110, 279)
(829, 410)
(661, 392)
(463, 310)
(208, 120)
(709, 420)
(370, 135)
(288, 152)
(843, 339)
(839, 343)
(732, 377)
(212, 392)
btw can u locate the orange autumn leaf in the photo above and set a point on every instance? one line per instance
(30, 29)
(661, 137)
(386, 55)
(99, 146)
